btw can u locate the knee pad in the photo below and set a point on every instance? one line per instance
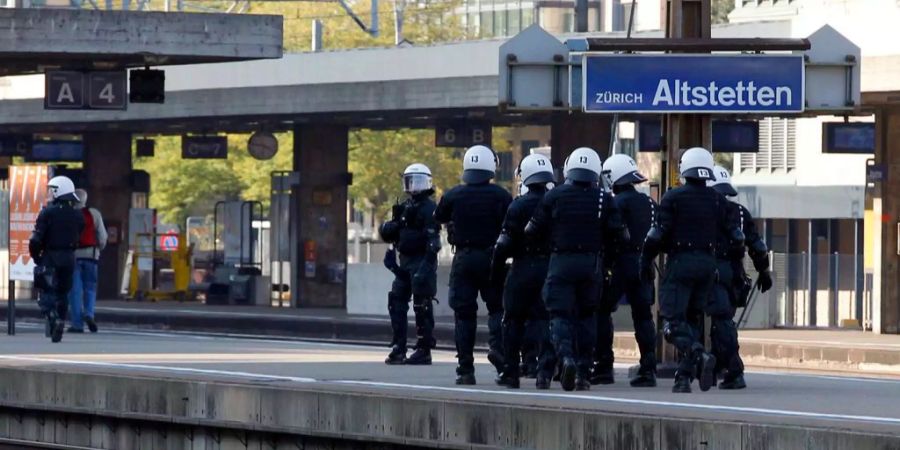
(422, 304)
(676, 330)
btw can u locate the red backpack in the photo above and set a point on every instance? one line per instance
(88, 237)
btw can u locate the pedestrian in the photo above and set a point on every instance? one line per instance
(413, 232)
(733, 286)
(52, 246)
(522, 302)
(583, 226)
(691, 217)
(474, 212)
(91, 243)
(638, 213)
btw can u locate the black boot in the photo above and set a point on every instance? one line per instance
(682, 384)
(567, 374)
(706, 368)
(582, 383)
(602, 374)
(396, 357)
(420, 357)
(465, 375)
(733, 382)
(509, 379)
(542, 381)
(646, 377)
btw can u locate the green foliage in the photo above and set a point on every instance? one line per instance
(182, 188)
(378, 158)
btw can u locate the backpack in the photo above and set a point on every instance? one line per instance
(88, 237)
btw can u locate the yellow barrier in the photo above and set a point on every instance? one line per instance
(180, 262)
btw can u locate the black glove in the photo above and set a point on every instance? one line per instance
(764, 282)
(390, 260)
(397, 211)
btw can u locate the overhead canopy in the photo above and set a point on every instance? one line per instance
(39, 39)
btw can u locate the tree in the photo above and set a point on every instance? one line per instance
(181, 188)
(720, 10)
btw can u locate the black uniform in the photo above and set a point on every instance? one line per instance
(52, 246)
(522, 300)
(583, 224)
(733, 286)
(691, 218)
(475, 215)
(639, 214)
(416, 236)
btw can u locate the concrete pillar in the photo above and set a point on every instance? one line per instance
(107, 167)
(570, 131)
(886, 210)
(320, 156)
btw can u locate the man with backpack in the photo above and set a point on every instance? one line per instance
(92, 241)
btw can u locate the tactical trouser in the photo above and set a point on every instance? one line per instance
(54, 301)
(470, 275)
(626, 280)
(571, 294)
(523, 306)
(723, 331)
(398, 306)
(686, 289)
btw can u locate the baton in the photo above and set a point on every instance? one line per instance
(750, 299)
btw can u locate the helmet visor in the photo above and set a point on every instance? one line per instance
(416, 182)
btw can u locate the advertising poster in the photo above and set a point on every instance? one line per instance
(28, 194)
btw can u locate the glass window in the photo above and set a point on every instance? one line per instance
(472, 23)
(568, 22)
(527, 16)
(500, 22)
(486, 27)
(514, 19)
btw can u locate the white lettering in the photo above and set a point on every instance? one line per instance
(750, 97)
(663, 93)
(65, 93)
(765, 96)
(787, 95)
(726, 96)
(699, 94)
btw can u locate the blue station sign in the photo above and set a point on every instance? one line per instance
(660, 83)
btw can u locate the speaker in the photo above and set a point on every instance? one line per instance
(147, 86)
(146, 148)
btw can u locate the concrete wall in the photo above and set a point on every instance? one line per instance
(118, 412)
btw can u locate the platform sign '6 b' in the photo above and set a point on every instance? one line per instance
(462, 134)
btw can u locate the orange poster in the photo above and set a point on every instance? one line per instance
(27, 195)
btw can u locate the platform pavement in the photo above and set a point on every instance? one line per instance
(346, 391)
(850, 351)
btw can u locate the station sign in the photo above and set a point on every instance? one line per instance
(710, 84)
(67, 89)
(15, 144)
(204, 147)
(462, 133)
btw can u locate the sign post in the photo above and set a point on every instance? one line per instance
(27, 195)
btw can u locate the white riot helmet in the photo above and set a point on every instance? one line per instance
(697, 163)
(416, 178)
(60, 186)
(479, 164)
(583, 165)
(535, 169)
(620, 170)
(722, 183)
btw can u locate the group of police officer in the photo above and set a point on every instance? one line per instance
(576, 250)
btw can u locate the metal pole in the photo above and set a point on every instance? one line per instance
(316, 44)
(581, 16)
(11, 309)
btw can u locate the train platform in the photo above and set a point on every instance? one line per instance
(849, 351)
(294, 389)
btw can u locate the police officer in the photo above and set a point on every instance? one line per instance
(639, 214)
(413, 233)
(474, 212)
(690, 219)
(52, 246)
(583, 224)
(733, 286)
(522, 293)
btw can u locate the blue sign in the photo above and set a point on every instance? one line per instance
(53, 151)
(693, 83)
